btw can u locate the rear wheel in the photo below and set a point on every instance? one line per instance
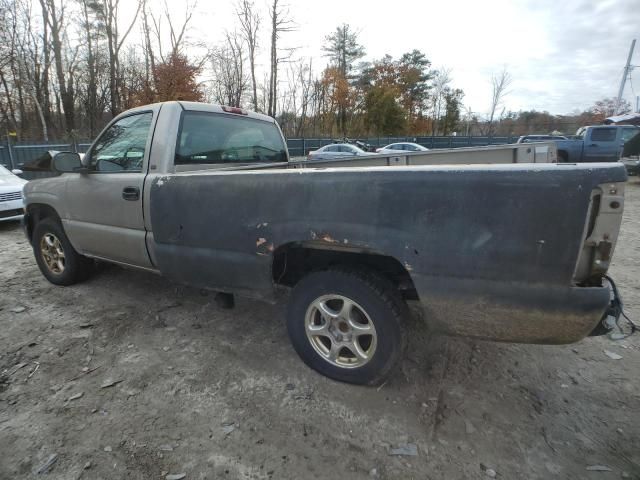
(347, 325)
(57, 259)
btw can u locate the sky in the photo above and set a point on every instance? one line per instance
(563, 55)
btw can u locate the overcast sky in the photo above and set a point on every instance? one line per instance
(562, 55)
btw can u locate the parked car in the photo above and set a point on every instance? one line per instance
(601, 143)
(403, 147)
(539, 138)
(503, 252)
(11, 199)
(336, 150)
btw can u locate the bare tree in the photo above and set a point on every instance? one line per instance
(54, 16)
(249, 26)
(230, 79)
(109, 11)
(177, 33)
(500, 89)
(149, 56)
(280, 23)
(299, 94)
(441, 82)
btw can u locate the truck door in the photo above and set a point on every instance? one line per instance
(602, 145)
(105, 215)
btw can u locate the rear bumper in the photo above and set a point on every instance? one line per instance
(512, 312)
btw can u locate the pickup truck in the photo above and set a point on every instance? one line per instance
(206, 195)
(601, 143)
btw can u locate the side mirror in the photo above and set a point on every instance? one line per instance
(68, 162)
(17, 171)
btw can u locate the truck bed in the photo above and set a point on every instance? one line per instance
(504, 238)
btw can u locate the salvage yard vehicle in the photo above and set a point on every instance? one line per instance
(601, 143)
(336, 150)
(11, 204)
(206, 195)
(401, 146)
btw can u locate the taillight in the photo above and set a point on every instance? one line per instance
(236, 110)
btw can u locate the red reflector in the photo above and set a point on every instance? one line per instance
(235, 110)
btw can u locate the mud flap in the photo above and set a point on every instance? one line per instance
(611, 315)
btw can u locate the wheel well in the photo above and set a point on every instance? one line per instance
(37, 212)
(293, 261)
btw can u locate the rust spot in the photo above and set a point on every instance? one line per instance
(264, 248)
(325, 237)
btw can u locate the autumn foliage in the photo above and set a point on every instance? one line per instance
(175, 79)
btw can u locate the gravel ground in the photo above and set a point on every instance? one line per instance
(131, 376)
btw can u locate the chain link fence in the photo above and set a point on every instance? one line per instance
(17, 154)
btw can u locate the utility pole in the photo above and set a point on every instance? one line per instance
(638, 104)
(625, 74)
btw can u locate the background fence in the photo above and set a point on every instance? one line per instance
(300, 146)
(16, 154)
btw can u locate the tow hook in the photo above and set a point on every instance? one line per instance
(611, 315)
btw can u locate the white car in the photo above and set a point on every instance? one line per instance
(336, 151)
(402, 147)
(11, 198)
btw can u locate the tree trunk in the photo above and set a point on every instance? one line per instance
(66, 96)
(274, 60)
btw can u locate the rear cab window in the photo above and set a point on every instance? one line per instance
(209, 138)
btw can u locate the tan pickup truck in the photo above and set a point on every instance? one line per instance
(206, 195)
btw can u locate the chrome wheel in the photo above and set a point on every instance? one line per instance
(340, 331)
(52, 253)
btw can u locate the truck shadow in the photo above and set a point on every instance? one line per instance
(10, 226)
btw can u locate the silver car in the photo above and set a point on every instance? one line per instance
(11, 199)
(336, 151)
(403, 147)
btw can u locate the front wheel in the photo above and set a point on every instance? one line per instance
(57, 259)
(347, 325)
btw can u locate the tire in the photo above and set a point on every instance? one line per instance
(331, 313)
(57, 259)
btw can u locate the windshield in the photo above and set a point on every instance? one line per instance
(209, 138)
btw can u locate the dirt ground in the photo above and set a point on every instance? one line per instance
(217, 394)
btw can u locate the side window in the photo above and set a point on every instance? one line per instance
(330, 149)
(603, 134)
(121, 148)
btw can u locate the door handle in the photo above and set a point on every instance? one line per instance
(593, 145)
(131, 193)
